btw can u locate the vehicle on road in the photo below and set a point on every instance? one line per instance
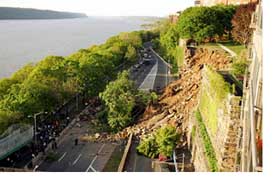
(147, 61)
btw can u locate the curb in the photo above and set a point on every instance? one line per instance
(122, 163)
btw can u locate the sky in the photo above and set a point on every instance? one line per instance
(106, 7)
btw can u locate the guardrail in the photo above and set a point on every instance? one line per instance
(122, 163)
(161, 58)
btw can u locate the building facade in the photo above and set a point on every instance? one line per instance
(251, 116)
(225, 2)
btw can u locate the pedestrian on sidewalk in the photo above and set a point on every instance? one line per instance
(76, 141)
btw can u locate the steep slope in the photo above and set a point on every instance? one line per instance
(178, 99)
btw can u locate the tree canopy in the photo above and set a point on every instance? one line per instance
(163, 141)
(241, 21)
(53, 81)
(119, 97)
(202, 23)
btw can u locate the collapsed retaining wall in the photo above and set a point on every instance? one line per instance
(222, 120)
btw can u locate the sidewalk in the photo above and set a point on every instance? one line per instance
(233, 54)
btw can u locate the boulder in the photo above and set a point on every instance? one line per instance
(97, 135)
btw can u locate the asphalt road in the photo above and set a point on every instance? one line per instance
(152, 76)
(136, 162)
(85, 157)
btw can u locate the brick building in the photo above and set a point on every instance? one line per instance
(226, 2)
(174, 17)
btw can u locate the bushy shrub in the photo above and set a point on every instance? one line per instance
(163, 141)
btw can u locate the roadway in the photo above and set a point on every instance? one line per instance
(93, 156)
(136, 162)
(84, 157)
(152, 76)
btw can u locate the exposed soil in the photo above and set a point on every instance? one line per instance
(179, 98)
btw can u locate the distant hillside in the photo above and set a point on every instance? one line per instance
(27, 13)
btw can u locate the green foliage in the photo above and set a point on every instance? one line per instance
(119, 98)
(131, 54)
(239, 67)
(167, 138)
(50, 83)
(218, 86)
(179, 56)
(209, 150)
(163, 141)
(147, 98)
(148, 147)
(8, 118)
(214, 92)
(202, 23)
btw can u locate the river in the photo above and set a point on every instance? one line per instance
(24, 41)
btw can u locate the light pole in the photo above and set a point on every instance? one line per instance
(35, 125)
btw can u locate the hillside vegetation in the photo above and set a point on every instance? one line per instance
(28, 13)
(50, 83)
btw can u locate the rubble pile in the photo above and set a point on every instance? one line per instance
(178, 100)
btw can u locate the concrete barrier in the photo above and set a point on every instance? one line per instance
(122, 163)
(161, 58)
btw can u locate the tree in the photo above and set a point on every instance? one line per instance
(225, 14)
(241, 31)
(148, 147)
(163, 141)
(5, 86)
(8, 118)
(131, 54)
(119, 97)
(167, 138)
(202, 23)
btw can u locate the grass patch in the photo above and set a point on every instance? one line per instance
(209, 150)
(179, 55)
(115, 159)
(210, 112)
(211, 46)
(213, 95)
(237, 48)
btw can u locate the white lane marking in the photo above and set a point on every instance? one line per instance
(150, 78)
(91, 163)
(91, 168)
(101, 148)
(62, 157)
(77, 159)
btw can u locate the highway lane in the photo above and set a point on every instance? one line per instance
(85, 157)
(92, 157)
(152, 76)
(136, 162)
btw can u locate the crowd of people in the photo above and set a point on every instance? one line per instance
(47, 132)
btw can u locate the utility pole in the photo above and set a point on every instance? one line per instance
(35, 125)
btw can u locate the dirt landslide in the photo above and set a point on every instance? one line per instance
(178, 99)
